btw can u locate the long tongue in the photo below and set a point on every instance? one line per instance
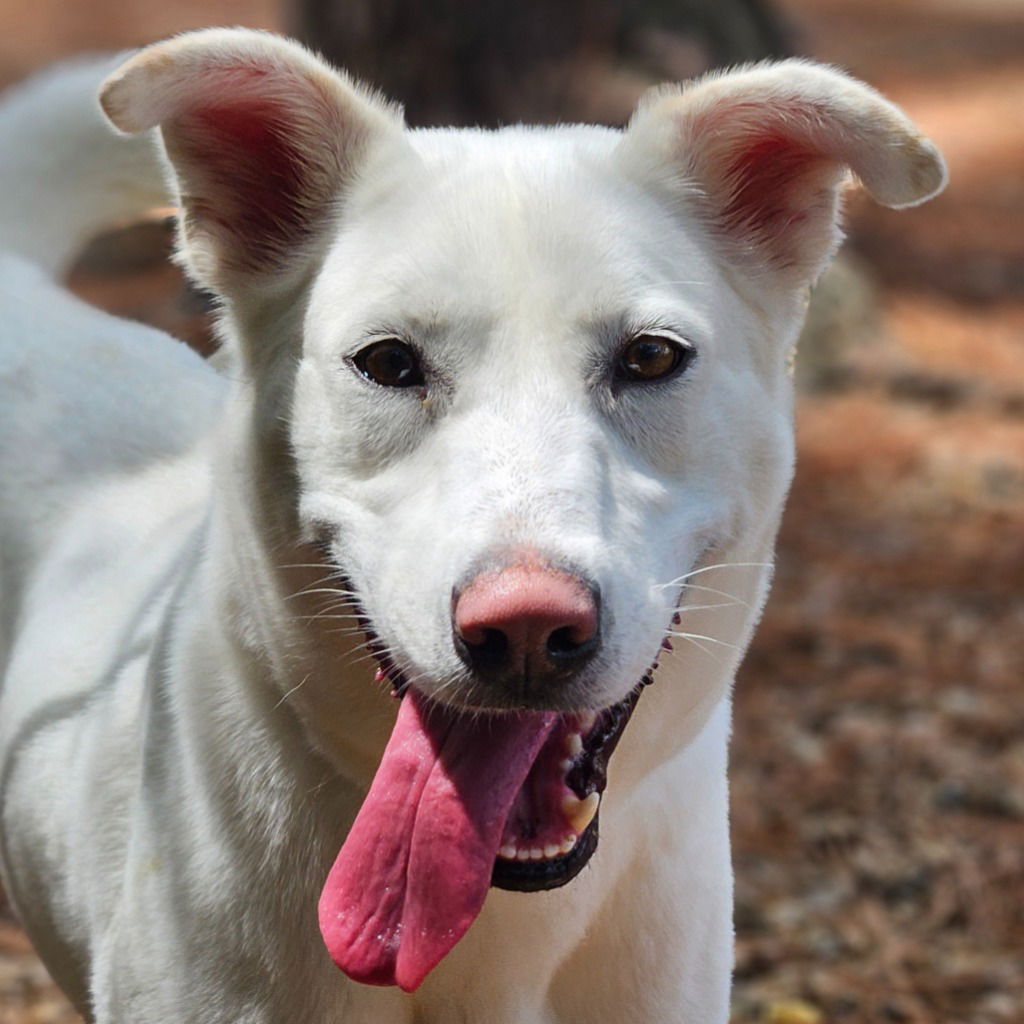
(415, 868)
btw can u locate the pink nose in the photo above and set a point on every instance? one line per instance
(528, 621)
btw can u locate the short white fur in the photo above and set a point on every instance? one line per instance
(187, 726)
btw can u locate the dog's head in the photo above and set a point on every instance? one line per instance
(532, 381)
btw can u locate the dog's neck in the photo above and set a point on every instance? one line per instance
(259, 578)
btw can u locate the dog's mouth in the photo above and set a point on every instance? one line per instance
(552, 827)
(463, 800)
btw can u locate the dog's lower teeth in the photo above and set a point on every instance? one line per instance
(574, 744)
(550, 851)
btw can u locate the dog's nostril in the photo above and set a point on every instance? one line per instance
(490, 649)
(565, 642)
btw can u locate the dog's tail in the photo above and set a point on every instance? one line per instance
(64, 172)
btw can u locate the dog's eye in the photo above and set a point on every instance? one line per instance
(650, 357)
(390, 363)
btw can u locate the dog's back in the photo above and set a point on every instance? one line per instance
(87, 400)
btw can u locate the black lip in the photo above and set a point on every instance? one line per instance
(537, 875)
(589, 776)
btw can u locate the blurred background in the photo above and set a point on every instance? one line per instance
(878, 755)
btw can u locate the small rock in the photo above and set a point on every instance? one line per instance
(793, 1011)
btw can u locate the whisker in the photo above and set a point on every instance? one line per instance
(332, 617)
(385, 651)
(679, 580)
(712, 654)
(310, 590)
(335, 570)
(313, 790)
(336, 614)
(713, 590)
(706, 607)
(726, 565)
(328, 613)
(291, 691)
(709, 639)
(340, 601)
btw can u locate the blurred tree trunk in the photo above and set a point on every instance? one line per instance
(491, 62)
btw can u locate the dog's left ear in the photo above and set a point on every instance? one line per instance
(762, 152)
(263, 138)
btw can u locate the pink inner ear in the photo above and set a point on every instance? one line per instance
(762, 182)
(245, 178)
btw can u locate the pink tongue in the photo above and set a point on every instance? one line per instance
(415, 868)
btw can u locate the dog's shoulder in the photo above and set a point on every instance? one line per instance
(74, 379)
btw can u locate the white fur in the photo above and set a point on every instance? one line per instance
(184, 743)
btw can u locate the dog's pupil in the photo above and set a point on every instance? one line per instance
(390, 363)
(649, 358)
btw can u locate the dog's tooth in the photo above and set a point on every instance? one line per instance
(380, 676)
(580, 813)
(566, 765)
(567, 844)
(508, 851)
(523, 854)
(537, 853)
(552, 850)
(587, 719)
(574, 744)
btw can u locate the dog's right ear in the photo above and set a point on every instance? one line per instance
(263, 138)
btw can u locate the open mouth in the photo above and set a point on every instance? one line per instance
(463, 800)
(552, 828)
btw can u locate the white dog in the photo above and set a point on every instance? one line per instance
(500, 413)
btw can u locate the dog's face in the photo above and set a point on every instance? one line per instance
(515, 348)
(559, 349)
(529, 382)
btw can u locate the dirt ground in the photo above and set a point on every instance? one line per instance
(878, 756)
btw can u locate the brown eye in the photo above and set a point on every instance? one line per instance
(650, 357)
(390, 363)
